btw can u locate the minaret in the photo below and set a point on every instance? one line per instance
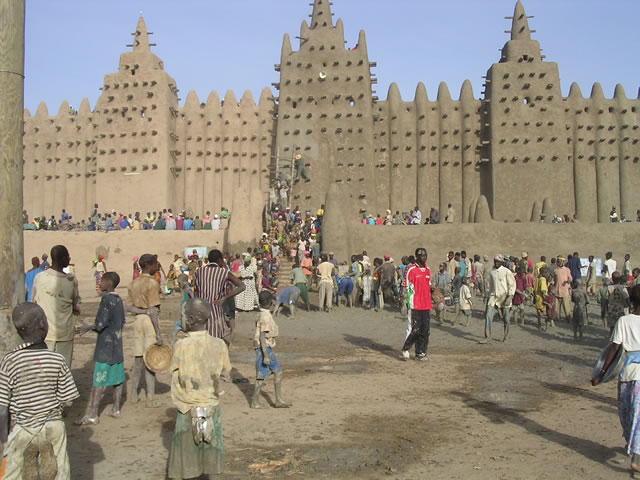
(325, 111)
(520, 24)
(136, 113)
(526, 130)
(321, 15)
(141, 37)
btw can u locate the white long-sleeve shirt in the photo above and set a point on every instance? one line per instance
(502, 286)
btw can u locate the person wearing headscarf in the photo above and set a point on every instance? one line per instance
(101, 268)
(248, 299)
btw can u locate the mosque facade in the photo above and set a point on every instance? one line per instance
(519, 151)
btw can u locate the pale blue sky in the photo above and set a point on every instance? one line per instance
(233, 44)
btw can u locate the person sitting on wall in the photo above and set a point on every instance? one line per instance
(160, 224)
(215, 223)
(434, 216)
(450, 214)
(613, 215)
(416, 216)
(300, 168)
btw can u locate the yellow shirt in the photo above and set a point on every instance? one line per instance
(325, 269)
(265, 323)
(56, 293)
(197, 362)
(144, 292)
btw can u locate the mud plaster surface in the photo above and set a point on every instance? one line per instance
(518, 410)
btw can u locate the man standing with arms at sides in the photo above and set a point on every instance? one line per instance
(450, 214)
(501, 287)
(419, 299)
(452, 263)
(57, 293)
(562, 279)
(210, 284)
(611, 265)
(592, 276)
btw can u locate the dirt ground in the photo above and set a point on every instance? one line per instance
(517, 410)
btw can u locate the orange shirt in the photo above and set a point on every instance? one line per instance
(307, 265)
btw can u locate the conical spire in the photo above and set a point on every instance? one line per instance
(321, 15)
(575, 92)
(466, 93)
(596, 92)
(141, 37)
(421, 94)
(520, 25)
(619, 92)
(192, 103)
(443, 94)
(286, 46)
(84, 109)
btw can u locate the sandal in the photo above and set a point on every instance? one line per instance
(86, 420)
(113, 413)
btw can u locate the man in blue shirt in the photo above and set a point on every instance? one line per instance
(30, 276)
(574, 266)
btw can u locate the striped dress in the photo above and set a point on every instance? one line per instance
(209, 284)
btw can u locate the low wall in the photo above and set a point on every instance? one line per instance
(490, 238)
(118, 247)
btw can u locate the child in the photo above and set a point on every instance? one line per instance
(580, 302)
(602, 300)
(519, 297)
(374, 299)
(540, 291)
(197, 363)
(144, 301)
(617, 300)
(187, 293)
(466, 302)
(108, 357)
(35, 384)
(552, 313)
(266, 361)
(456, 285)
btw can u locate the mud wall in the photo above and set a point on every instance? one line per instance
(489, 239)
(119, 248)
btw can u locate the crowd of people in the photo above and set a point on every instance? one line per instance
(414, 217)
(213, 287)
(163, 219)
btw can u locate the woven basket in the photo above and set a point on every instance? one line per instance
(157, 358)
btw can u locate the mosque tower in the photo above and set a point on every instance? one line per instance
(525, 131)
(325, 113)
(136, 121)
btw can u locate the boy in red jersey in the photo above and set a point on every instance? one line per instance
(418, 279)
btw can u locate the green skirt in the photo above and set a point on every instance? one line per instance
(105, 375)
(188, 460)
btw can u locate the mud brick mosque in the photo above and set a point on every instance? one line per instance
(519, 150)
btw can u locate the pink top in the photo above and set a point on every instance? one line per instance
(560, 276)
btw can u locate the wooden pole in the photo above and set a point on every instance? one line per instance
(11, 130)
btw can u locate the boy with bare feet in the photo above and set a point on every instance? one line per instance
(198, 361)
(266, 361)
(109, 360)
(144, 301)
(35, 384)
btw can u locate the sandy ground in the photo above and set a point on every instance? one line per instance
(517, 410)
